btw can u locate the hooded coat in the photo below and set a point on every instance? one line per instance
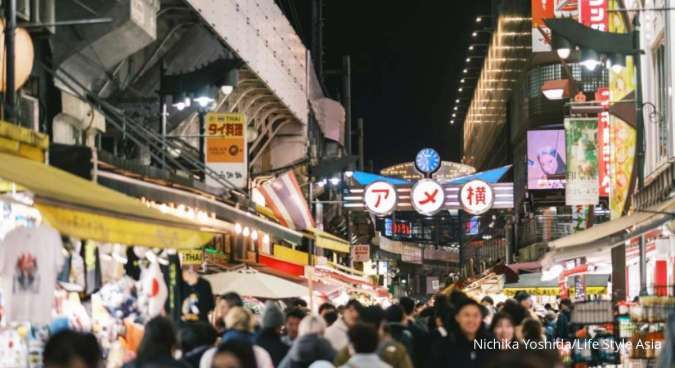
(307, 349)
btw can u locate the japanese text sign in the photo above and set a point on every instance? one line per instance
(604, 145)
(380, 198)
(476, 197)
(593, 14)
(360, 252)
(226, 149)
(427, 197)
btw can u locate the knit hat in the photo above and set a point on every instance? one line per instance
(272, 317)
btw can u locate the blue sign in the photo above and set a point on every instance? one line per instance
(427, 161)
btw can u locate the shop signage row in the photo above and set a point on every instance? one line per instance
(429, 197)
(591, 13)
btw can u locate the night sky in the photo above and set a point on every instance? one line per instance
(407, 59)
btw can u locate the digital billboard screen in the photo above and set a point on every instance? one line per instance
(546, 159)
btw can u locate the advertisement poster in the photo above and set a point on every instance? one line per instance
(593, 14)
(546, 9)
(582, 162)
(623, 137)
(604, 144)
(546, 159)
(226, 150)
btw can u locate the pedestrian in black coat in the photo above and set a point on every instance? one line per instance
(269, 337)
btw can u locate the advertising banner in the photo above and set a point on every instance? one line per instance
(623, 137)
(604, 144)
(546, 159)
(546, 9)
(226, 149)
(594, 14)
(582, 162)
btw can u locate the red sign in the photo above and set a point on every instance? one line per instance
(604, 146)
(402, 228)
(593, 14)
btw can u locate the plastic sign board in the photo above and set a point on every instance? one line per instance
(226, 148)
(427, 161)
(476, 197)
(192, 257)
(427, 197)
(360, 252)
(380, 198)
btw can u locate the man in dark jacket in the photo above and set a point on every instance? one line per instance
(562, 325)
(395, 323)
(420, 332)
(269, 337)
(195, 339)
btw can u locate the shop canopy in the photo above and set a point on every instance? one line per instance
(599, 239)
(532, 283)
(249, 282)
(83, 209)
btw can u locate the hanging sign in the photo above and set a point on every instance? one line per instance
(593, 14)
(226, 148)
(582, 162)
(427, 197)
(476, 197)
(360, 252)
(604, 146)
(192, 257)
(380, 198)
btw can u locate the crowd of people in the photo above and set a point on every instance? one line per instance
(448, 331)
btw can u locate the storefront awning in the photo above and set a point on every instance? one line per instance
(325, 240)
(600, 238)
(83, 209)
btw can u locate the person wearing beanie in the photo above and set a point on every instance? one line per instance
(269, 337)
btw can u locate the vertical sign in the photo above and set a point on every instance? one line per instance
(360, 252)
(604, 146)
(593, 14)
(226, 149)
(541, 9)
(582, 162)
(623, 137)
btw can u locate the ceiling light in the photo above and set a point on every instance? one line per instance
(556, 89)
(479, 19)
(475, 34)
(465, 71)
(460, 89)
(617, 62)
(335, 180)
(457, 100)
(471, 48)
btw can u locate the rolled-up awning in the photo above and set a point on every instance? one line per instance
(83, 209)
(602, 237)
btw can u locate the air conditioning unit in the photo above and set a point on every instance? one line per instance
(29, 111)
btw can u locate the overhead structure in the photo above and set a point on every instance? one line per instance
(505, 59)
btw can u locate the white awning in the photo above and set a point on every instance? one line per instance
(599, 239)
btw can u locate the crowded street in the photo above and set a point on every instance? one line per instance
(337, 184)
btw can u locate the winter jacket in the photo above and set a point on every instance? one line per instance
(454, 350)
(270, 340)
(402, 334)
(306, 350)
(390, 351)
(562, 325)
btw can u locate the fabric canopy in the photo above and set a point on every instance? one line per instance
(249, 282)
(597, 240)
(83, 209)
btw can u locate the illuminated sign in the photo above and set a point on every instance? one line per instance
(476, 197)
(380, 198)
(427, 197)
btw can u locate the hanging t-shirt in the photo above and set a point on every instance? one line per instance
(197, 301)
(30, 259)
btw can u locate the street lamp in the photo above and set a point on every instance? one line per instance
(616, 62)
(590, 59)
(562, 46)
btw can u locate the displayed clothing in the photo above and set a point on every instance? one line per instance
(197, 301)
(30, 259)
(154, 289)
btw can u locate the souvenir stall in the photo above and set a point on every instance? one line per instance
(80, 256)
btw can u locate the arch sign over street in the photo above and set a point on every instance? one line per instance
(427, 196)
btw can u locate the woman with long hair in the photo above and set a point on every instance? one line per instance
(157, 346)
(504, 330)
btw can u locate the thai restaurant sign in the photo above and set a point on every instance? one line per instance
(226, 148)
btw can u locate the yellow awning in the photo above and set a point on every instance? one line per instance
(325, 240)
(83, 209)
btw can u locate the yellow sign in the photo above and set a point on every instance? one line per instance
(109, 229)
(192, 257)
(226, 148)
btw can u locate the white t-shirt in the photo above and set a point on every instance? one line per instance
(30, 259)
